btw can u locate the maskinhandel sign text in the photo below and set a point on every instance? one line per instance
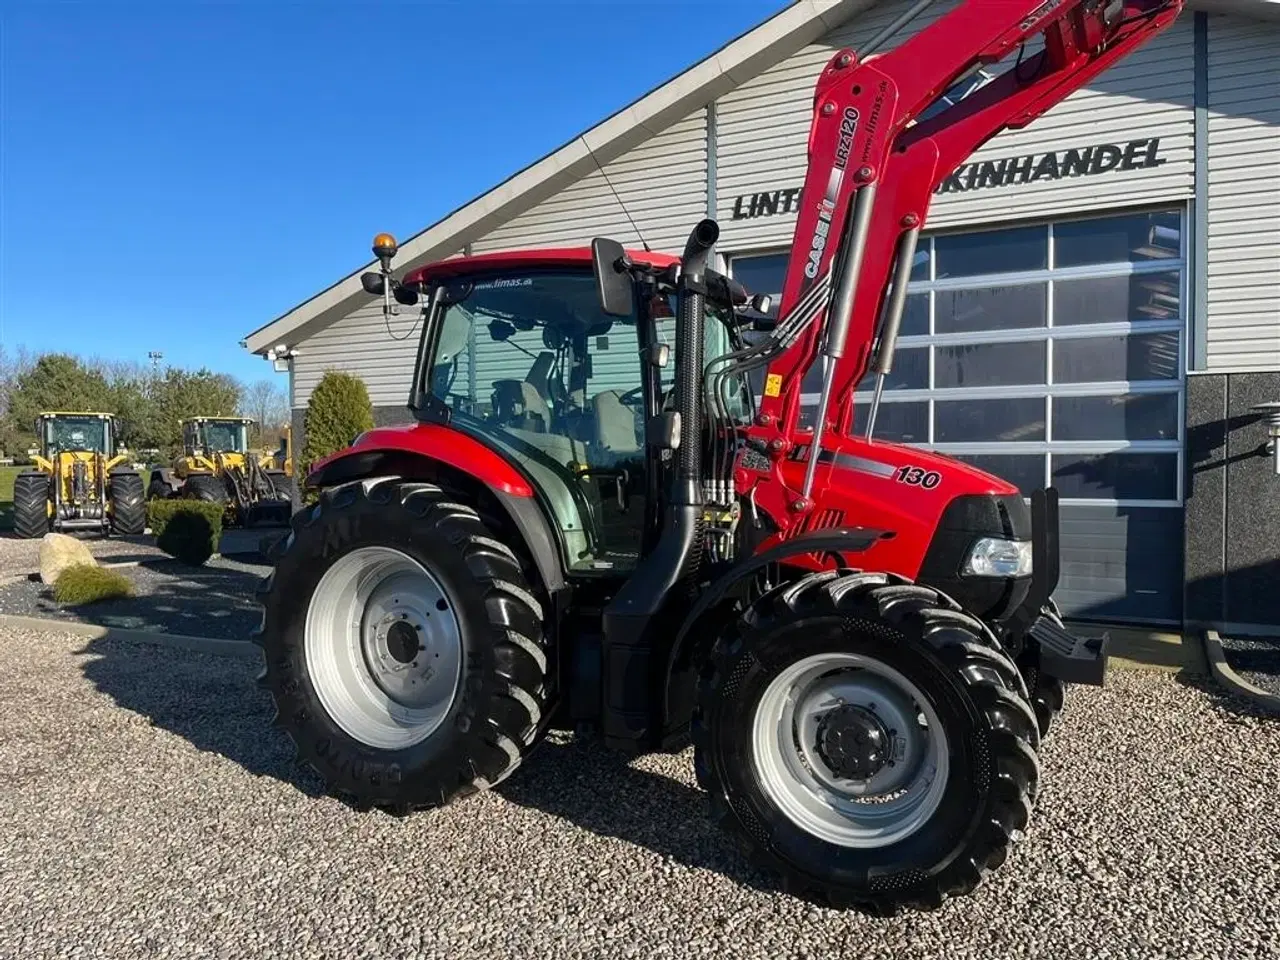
(1056, 165)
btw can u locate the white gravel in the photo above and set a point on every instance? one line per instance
(147, 810)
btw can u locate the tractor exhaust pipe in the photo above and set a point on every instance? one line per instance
(653, 600)
(690, 318)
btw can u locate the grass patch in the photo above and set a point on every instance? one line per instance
(187, 529)
(7, 476)
(84, 583)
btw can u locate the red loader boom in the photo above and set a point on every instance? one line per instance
(872, 173)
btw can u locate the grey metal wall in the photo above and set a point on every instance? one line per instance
(762, 131)
(1243, 322)
(662, 183)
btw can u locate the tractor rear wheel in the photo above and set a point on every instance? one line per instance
(31, 505)
(868, 741)
(403, 645)
(205, 486)
(128, 506)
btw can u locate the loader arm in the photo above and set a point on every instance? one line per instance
(872, 174)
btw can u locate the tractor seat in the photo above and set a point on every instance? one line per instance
(518, 404)
(614, 424)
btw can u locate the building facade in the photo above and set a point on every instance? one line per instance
(1096, 304)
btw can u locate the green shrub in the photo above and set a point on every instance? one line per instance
(187, 529)
(86, 583)
(339, 410)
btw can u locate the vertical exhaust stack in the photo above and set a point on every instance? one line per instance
(690, 318)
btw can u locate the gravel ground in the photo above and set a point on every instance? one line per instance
(21, 557)
(1256, 660)
(215, 600)
(148, 811)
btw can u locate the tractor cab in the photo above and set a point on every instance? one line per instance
(207, 436)
(86, 433)
(520, 353)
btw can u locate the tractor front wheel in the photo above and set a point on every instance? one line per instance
(403, 646)
(31, 505)
(128, 506)
(867, 741)
(205, 486)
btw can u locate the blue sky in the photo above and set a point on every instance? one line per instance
(174, 174)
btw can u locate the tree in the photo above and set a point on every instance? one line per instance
(183, 394)
(338, 412)
(266, 403)
(56, 381)
(13, 436)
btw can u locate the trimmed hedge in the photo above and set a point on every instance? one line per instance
(187, 529)
(86, 583)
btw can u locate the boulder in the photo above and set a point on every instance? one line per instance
(59, 551)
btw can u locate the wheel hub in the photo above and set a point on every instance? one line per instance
(384, 647)
(853, 743)
(402, 642)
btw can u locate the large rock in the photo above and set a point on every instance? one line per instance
(59, 551)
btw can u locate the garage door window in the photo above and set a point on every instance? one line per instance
(1046, 354)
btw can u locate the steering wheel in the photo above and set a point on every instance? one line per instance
(633, 397)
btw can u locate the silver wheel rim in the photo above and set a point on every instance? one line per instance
(877, 811)
(369, 612)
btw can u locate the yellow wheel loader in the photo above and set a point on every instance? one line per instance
(80, 481)
(217, 466)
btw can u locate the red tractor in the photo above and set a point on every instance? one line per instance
(593, 523)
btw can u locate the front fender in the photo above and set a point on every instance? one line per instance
(840, 543)
(450, 447)
(438, 453)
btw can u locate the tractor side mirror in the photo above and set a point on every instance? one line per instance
(500, 330)
(613, 283)
(373, 283)
(404, 295)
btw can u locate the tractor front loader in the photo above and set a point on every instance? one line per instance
(858, 636)
(217, 466)
(81, 480)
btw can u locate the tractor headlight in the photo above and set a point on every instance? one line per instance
(995, 557)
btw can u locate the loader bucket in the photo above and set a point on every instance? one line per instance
(268, 513)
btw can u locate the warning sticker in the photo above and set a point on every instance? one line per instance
(773, 385)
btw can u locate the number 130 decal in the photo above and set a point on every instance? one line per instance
(917, 477)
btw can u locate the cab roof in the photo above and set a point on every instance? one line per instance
(76, 413)
(216, 420)
(574, 257)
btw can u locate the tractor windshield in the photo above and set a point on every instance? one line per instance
(67, 434)
(224, 437)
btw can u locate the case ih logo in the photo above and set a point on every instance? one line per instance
(1076, 162)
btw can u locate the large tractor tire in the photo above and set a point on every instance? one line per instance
(128, 505)
(1047, 694)
(31, 505)
(404, 647)
(867, 741)
(205, 486)
(158, 488)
